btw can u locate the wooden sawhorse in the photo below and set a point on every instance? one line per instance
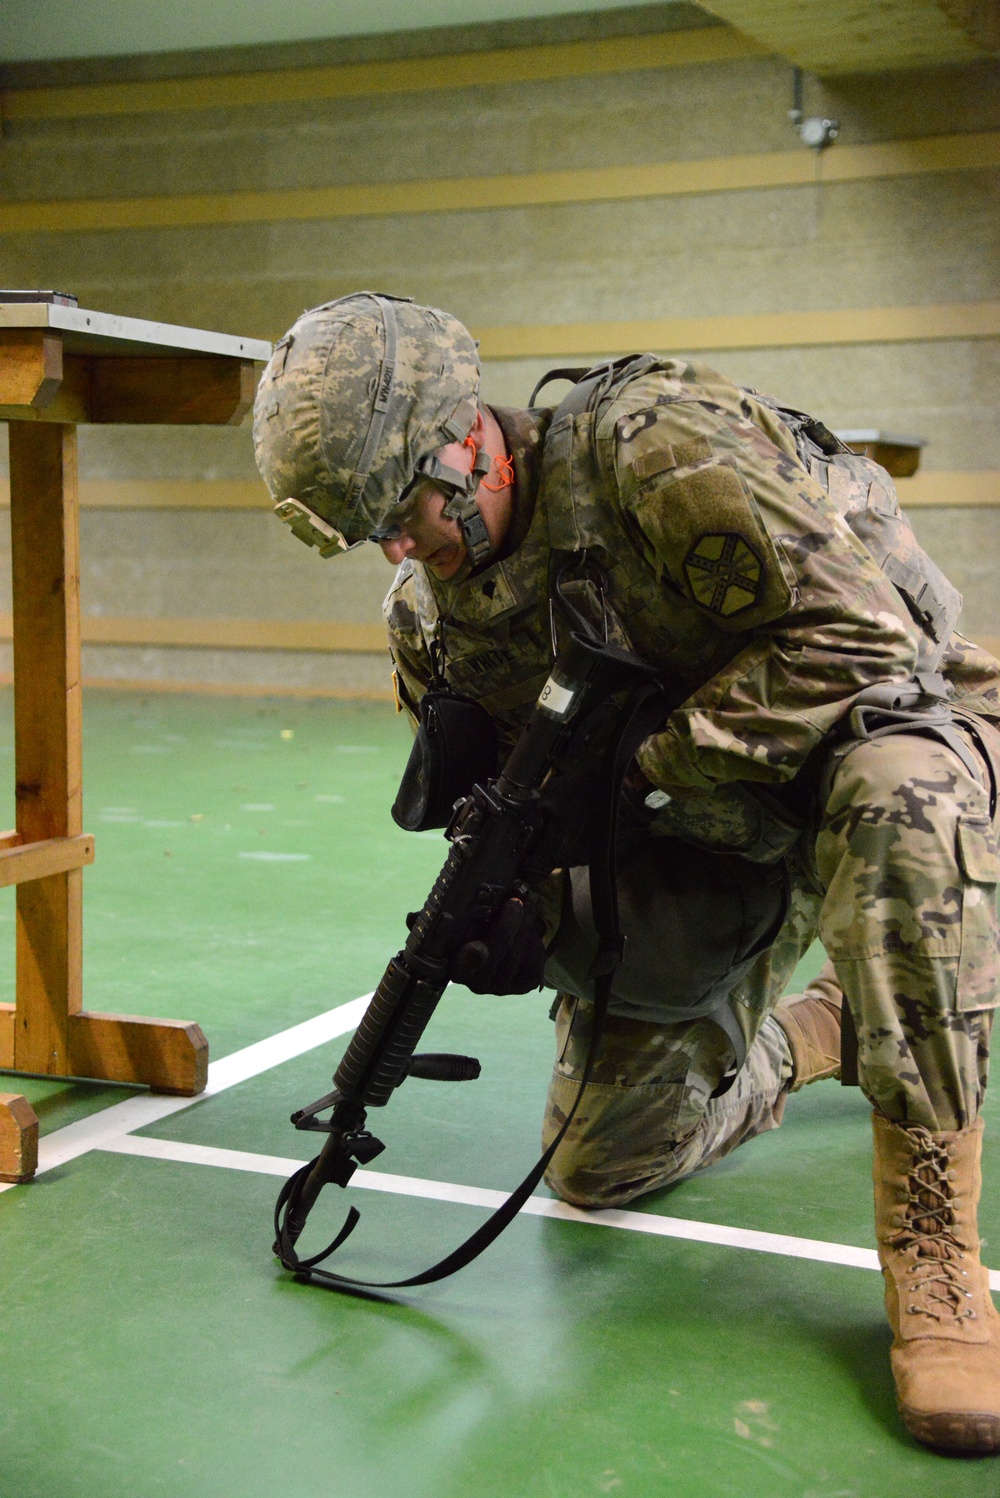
(61, 365)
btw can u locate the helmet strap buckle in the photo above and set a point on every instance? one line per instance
(462, 504)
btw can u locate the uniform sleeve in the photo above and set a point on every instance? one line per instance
(737, 530)
(974, 677)
(410, 658)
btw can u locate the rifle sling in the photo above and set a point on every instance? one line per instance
(645, 708)
(645, 703)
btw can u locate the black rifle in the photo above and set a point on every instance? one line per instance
(505, 839)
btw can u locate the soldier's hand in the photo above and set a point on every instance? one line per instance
(510, 956)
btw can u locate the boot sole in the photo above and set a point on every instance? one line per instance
(961, 1433)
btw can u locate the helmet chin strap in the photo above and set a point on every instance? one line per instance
(461, 506)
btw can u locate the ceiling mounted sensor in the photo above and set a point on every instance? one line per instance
(814, 130)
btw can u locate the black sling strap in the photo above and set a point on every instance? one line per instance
(632, 727)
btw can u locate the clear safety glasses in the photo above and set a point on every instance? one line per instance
(397, 519)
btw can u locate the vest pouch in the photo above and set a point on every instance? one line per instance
(456, 747)
(694, 923)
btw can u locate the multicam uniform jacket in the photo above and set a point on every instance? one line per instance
(731, 568)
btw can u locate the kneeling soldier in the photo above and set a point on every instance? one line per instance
(831, 771)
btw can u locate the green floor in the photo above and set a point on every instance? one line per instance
(151, 1346)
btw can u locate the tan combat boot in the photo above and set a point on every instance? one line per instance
(811, 1022)
(946, 1332)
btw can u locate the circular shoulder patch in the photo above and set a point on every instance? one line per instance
(725, 573)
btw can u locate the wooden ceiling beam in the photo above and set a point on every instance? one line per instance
(867, 36)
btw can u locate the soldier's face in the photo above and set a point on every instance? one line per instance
(427, 536)
(423, 532)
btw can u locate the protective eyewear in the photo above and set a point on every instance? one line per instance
(328, 540)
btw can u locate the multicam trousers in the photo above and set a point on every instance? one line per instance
(898, 879)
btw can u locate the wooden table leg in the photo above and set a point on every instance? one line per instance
(47, 733)
(52, 1035)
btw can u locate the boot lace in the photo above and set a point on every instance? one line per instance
(936, 1281)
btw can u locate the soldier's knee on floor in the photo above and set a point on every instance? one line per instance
(578, 1189)
(592, 1189)
(582, 1180)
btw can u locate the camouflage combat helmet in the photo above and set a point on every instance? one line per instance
(356, 399)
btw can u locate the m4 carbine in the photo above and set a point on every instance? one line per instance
(505, 839)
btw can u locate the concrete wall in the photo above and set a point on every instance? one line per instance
(927, 239)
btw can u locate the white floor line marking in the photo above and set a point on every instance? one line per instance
(202, 1154)
(110, 1131)
(536, 1206)
(111, 1123)
(816, 1249)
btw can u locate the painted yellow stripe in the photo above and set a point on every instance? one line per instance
(227, 634)
(175, 494)
(167, 494)
(971, 488)
(229, 688)
(757, 330)
(622, 54)
(147, 684)
(515, 190)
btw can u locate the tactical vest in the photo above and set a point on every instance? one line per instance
(866, 497)
(497, 625)
(861, 489)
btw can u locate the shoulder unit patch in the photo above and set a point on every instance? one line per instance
(725, 573)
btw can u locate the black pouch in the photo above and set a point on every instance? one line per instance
(456, 747)
(694, 923)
